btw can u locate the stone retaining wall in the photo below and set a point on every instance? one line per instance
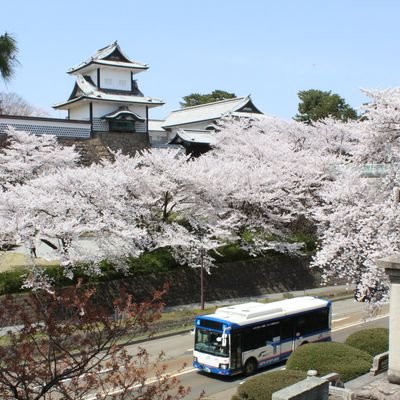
(229, 280)
(98, 147)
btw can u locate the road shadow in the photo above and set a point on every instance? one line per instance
(241, 376)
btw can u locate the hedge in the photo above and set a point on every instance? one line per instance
(160, 260)
(262, 387)
(373, 341)
(328, 357)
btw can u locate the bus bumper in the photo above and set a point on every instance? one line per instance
(212, 370)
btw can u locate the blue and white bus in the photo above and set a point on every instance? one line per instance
(248, 336)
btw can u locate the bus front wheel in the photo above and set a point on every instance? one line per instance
(250, 367)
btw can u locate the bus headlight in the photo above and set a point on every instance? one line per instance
(194, 359)
(223, 366)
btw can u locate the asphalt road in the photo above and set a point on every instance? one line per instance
(347, 318)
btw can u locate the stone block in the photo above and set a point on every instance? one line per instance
(311, 388)
(380, 363)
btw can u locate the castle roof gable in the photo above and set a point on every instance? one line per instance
(85, 89)
(109, 56)
(190, 136)
(210, 111)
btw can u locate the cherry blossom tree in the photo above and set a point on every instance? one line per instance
(269, 172)
(26, 156)
(358, 216)
(114, 207)
(265, 176)
(115, 210)
(357, 220)
(23, 157)
(68, 344)
(379, 142)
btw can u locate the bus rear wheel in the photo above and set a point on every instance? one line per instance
(250, 367)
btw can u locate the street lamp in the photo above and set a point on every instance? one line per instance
(202, 279)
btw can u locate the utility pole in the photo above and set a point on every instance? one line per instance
(202, 279)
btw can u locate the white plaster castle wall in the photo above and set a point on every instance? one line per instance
(81, 113)
(113, 78)
(101, 109)
(93, 76)
(157, 137)
(138, 109)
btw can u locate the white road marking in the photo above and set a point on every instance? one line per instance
(149, 382)
(103, 371)
(340, 319)
(359, 323)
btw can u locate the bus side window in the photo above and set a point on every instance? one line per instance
(273, 331)
(301, 325)
(287, 328)
(321, 320)
(247, 342)
(311, 322)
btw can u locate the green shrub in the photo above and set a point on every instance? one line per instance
(262, 387)
(230, 253)
(11, 280)
(373, 341)
(159, 260)
(310, 243)
(329, 357)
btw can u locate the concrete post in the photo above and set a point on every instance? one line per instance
(392, 268)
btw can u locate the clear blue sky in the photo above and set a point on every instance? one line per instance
(269, 49)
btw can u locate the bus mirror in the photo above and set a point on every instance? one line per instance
(224, 336)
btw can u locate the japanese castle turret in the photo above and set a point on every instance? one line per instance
(107, 95)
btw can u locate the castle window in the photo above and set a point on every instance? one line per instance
(122, 125)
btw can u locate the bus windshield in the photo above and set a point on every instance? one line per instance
(211, 342)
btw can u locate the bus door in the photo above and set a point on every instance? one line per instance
(236, 350)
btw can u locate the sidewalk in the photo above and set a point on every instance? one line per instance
(225, 395)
